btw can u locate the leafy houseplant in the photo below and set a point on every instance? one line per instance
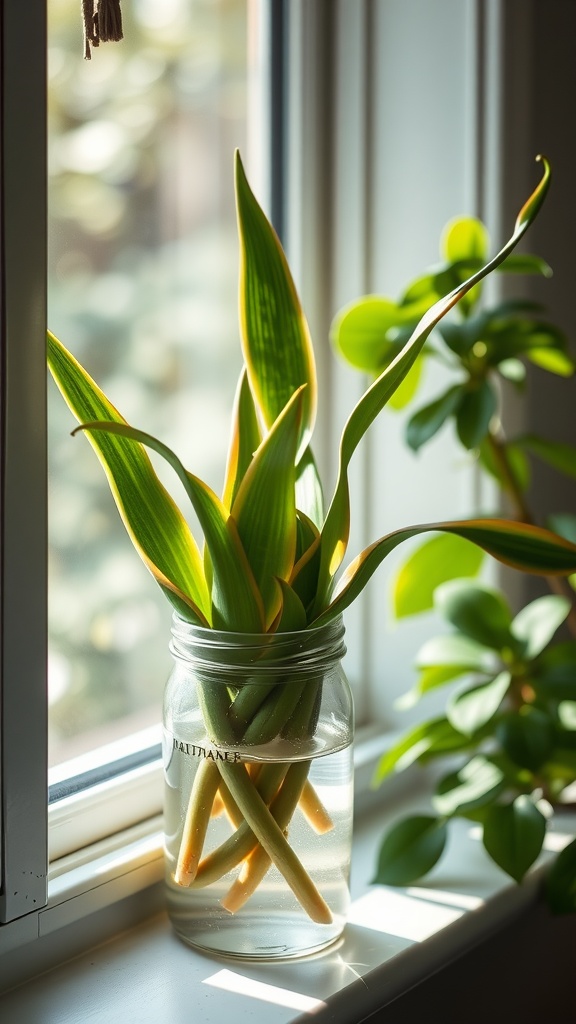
(511, 723)
(269, 571)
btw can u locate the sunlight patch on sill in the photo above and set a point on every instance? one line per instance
(396, 913)
(237, 983)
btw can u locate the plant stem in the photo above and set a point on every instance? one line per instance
(204, 790)
(557, 584)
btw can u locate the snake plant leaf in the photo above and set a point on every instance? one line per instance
(275, 337)
(514, 835)
(429, 419)
(246, 438)
(438, 559)
(292, 616)
(336, 529)
(236, 601)
(309, 493)
(410, 850)
(264, 509)
(304, 576)
(528, 548)
(154, 524)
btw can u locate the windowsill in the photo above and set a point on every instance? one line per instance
(394, 939)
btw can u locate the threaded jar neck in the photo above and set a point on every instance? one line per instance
(305, 650)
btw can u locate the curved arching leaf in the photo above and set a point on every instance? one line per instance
(236, 601)
(336, 527)
(528, 548)
(154, 524)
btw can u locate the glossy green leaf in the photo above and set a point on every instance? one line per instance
(513, 370)
(558, 454)
(525, 263)
(236, 602)
(567, 714)
(436, 734)
(429, 419)
(477, 610)
(455, 650)
(476, 410)
(264, 509)
(554, 674)
(478, 782)
(429, 679)
(246, 438)
(552, 360)
(360, 331)
(410, 850)
(527, 736)
(529, 548)
(470, 710)
(275, 337)
(464, 238)
(536, 624)
(514, 835)
(438, 559)
(561, 881)
(154, 524)
(336, 527)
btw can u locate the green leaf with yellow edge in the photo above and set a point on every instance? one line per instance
(236, 602)
(154, 524)
(438, 559)
(264, 509)
(514, 835)
(309, 494)
(336, 529)
(528, 548)
(275, 337)
(292, 616)
(246, 438)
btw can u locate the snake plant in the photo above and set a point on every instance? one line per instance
(273, 552)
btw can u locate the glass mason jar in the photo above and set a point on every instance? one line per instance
(258, 806)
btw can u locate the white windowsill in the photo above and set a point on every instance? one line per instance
(394, 938)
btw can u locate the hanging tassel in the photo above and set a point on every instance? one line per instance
(103, 25)
(108, 21)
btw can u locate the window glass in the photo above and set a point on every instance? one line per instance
(142, 289)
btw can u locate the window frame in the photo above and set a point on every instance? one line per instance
(23, 736)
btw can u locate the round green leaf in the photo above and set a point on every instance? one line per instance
(410, 849)
(474, 414)
(425, 423)
(514, 835)
(452, 649)
(438, 559)
(527, 736)
(464, 238)
(476, 610)
(360, 332)
(478, 782)
(537, 623)
(470, 710)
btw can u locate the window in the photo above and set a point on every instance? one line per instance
(358, 148)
